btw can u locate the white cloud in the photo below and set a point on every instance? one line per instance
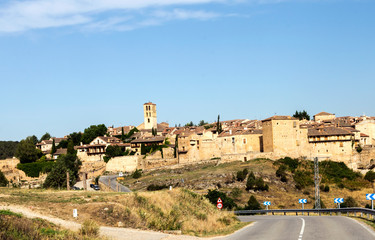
(23, 15)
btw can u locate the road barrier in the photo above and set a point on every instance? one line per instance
(368, 212)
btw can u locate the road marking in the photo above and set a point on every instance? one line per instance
(364, 225)
(302, 229)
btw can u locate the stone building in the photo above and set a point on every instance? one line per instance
(324, 116)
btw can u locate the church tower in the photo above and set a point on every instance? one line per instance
(149, 110)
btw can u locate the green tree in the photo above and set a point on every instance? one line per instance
(56, 178)
(302, 115)
(53, 150)
(190, 124)
(70, 148)
(370, 176)
(359, 149)
(92, 132)
(250, 183)
(349, 202)
(3, 180)
(7, 149)
(214, 195)
(46, 136)
(27, 152)
(253, 204)
(218, 125)
(76, 138)
(154, 131)
(122, 134)
(202, 123)
(34, 139)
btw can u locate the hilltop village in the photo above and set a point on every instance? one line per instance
(151, 144)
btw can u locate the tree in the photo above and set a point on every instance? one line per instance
(359, 149)
(56, 178)
(214, 195)
(122, 134)
(46, 136)
(370, 176)
(218, 125)
(27, 152)
(154, 131)
(253, 204)
(3, 180)
(92, 132)
(53, 150)
(70, 148)
(302, 115)
(250, 181)
(349, 202)
(202, 123)
(76, 138)
(34, 139)
(7, 149)
(190, 124)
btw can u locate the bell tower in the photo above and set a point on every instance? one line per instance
(149, 110)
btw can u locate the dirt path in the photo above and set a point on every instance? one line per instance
(110, 232)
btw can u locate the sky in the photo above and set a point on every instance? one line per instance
(69, 64)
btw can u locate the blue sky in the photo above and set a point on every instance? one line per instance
(68, 64)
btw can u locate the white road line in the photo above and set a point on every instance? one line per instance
(364, 225)
(302, 229)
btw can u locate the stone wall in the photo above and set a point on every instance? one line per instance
(122, 164)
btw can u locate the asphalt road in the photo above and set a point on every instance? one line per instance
(302, 228)
(112, 179)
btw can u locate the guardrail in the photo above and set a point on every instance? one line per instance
(308, 211)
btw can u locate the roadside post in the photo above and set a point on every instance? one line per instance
(75, 213)
(219, 204)
(371, 196)
(303, 201)
(267, 203)
(338, 201)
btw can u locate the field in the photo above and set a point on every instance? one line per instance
(178, 211)
(201, 178)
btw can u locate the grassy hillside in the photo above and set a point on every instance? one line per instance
(177, 210)
(288, 180)
(15, 226)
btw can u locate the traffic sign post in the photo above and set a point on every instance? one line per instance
(302, 201)
(219, 204)
(267, 203)
(371, 196)
(338, 201)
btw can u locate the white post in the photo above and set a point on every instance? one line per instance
(302, 208)
(372, 204)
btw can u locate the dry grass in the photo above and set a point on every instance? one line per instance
(176, 210)
(89, 228)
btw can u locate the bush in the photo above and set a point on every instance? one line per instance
(155, 187)
(245, 172)
(253, 204)
(291, 163)
(337, 171)
(236, 193)
(370, 176)
(137, 173)
(3, 180)
(349, 202)
(89, 228)
(260, 185)
(34, 169)
(250, 181)
(240, 176)
(303, 179)
(326, 188)
(214, 195)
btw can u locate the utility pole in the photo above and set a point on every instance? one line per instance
(317, 183)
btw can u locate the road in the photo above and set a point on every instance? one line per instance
(302, 228)
(112, 179)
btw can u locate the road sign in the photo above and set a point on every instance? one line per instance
(120, 174)
(267, 203)
(302, 200)
(338, 200)
(370, 196)
(219, 200)
(219, 205)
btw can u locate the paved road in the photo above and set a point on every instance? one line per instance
(302, 228)
(112, 179)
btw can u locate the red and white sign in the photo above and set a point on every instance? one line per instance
(219, 205)
(219, 200)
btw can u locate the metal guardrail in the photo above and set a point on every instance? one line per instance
(308, 211)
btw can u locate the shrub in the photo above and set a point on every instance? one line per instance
(240, 176)
(137, 173)
(284, 179)
(253, 204)
(250, 181)
(35, 168)
(303, 179)
(214, 195)
(337, 171)
(306, 192)
(89, 228)
(326, 188)
(245, 172)
(3, 180)
(260, 185)
(155, 187)
(349, 202)
(290, 162)
(370, 176)
(236, 193)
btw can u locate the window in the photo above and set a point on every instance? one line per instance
(148, 120)
(294, 124)
(341, 144)
(232, 139)
(244, 140)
